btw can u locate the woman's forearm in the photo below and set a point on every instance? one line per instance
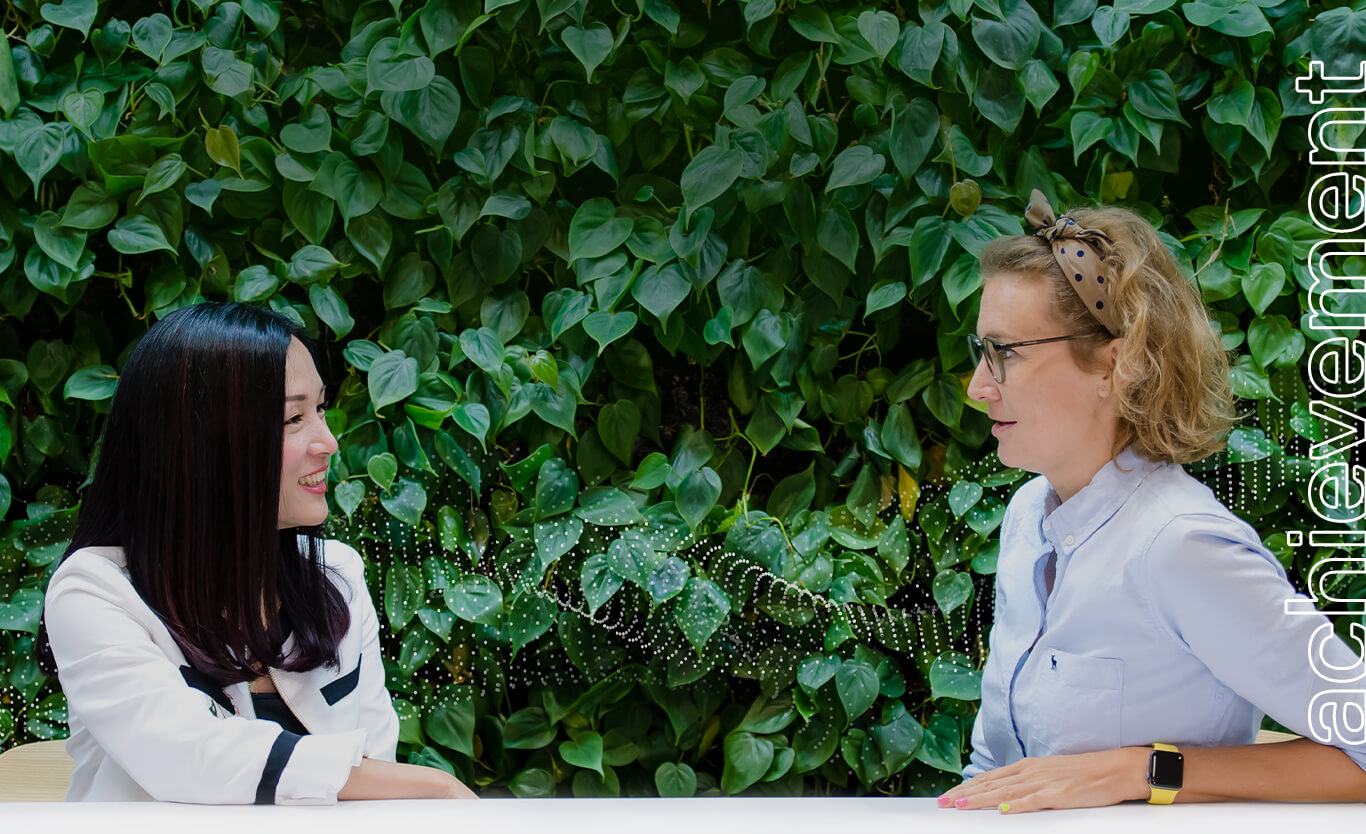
(376, 779)
(1289, 771)
(1292, 771)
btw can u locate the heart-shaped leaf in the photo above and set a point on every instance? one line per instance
(73, 14)
(668, 579)
(857, 685)
(222, 147)
(94, 383)
(747, 758)
(163, 174)
(590, 45)
(813, 672)
(483, 348)
(110, 41)
(22, 612)
(430, 112)
(880, 29)
(406, 501)
(475, 598)
(392, 377)
(63, 245)
(952, 676)
(583, 750)
(382, 468)
(389, 69)
(856, 165)
(632, 559)
(82, 109)
(136, 234)
(709, 175)
(90, 207)
(152, 34)
(606, 328)
(675, 780)
(557, 537)
(987, 516)
(618, 425)
(596, 230)
(951, 589)
(203, 194)
(312, 135)
(701, 610)
(598, 581)
(697, 495)
(331, 308)
(473, 418)
(348, 495)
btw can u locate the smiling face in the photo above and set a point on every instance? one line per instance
(308, 443)
(1051, 416)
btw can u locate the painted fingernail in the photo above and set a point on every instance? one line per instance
(944, 801)
(961, 803)
(1005, 807)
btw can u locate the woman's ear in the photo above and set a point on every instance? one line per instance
(1109, 356)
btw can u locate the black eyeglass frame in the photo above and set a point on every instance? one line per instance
(976, 348)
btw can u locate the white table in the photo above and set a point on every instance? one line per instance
(669, 816)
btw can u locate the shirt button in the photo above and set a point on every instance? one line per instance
(1069, 540)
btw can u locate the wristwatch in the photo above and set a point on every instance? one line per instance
(1166, 767)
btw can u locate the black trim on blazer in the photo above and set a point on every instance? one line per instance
(343, 686)
(280, 752)
(198, 680)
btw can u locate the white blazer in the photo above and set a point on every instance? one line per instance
(145, 725)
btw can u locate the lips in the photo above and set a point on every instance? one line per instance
(315, 482)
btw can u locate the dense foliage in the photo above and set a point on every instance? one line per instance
(646, 327)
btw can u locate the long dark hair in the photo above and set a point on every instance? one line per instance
(188, 484)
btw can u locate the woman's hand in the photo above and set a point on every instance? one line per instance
(457, 790)
(376, 779)
(1087, 780)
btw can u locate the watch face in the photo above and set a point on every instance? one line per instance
(1165, 769)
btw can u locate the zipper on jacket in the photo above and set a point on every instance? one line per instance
(276, 682)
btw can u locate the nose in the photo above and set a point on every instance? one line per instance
(982, 386)
(323, 442)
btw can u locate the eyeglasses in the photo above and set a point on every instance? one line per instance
(981, 348)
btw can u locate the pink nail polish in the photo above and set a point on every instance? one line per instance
(961, 803)
(943, 802)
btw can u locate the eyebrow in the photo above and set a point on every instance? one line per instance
(304, 397)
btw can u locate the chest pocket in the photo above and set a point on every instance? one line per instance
(1073, 703)
(343, 686)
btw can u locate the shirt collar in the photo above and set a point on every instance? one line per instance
(1067, 525)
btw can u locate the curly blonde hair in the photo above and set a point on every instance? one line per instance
(1171, 374)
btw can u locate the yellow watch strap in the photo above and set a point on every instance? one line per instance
(1162, 796)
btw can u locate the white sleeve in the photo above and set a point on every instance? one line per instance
(1224, 597)
(377, 714)
(139, 709)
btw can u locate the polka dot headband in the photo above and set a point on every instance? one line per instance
(1080, 253)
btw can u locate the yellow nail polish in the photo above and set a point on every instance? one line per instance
(1005, 807)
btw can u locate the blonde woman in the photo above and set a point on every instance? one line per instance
(1139, 631)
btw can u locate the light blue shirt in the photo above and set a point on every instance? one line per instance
(1166, 623)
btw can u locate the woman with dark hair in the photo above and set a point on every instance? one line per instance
(1140, 631)
(212, 647)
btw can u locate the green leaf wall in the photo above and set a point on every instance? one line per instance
(645, 321)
